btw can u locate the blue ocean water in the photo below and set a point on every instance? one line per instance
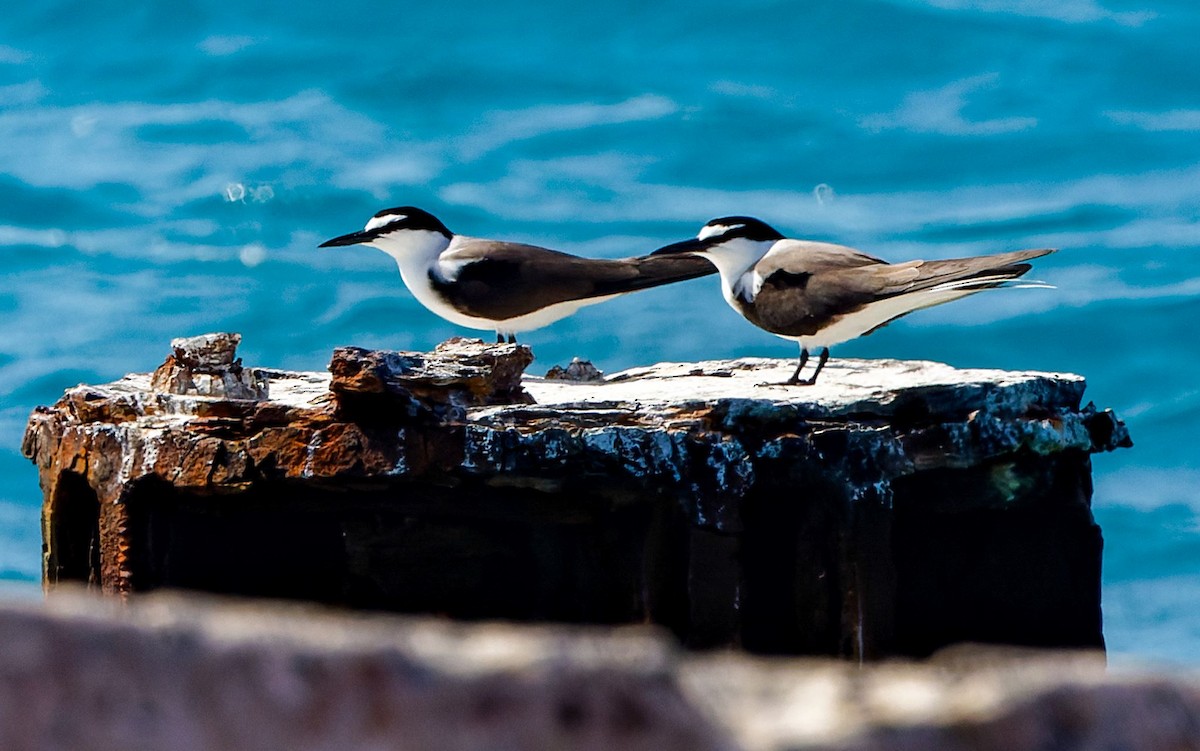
(169, 169)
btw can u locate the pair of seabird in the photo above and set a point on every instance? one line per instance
(816, 294)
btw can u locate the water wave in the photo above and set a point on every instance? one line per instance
(1067, 11)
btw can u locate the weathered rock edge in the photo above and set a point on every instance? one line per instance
(186, 672)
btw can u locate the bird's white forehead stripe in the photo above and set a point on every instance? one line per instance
(712, 230)
(378, 221)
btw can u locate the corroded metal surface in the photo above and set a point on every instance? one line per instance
(706, 448)
(207, 365)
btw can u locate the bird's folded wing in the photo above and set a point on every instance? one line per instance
(504, 280)
(979, 272)
(808, 290)
(807, 256)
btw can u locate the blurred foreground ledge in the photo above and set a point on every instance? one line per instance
(173, 671)
(892, 509)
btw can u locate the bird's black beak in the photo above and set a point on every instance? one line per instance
(687, 246)
(354, 238)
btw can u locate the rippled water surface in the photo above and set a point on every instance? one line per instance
(169, 170)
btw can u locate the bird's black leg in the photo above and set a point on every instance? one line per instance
(820, 364)
(499, 338)
(512, 338)
(795, 379)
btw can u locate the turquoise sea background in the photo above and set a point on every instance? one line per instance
(169, 169)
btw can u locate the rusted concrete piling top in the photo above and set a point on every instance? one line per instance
(894, 507)
(465, 408)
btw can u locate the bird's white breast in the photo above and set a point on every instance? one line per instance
(417, 253)
(735, 260)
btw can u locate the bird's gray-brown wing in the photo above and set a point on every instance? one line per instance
(803, 291)
(801, 285)
(499, 280)
(807, 255)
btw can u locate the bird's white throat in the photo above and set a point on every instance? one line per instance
(735, 259)
(414, 250)
(416, 253)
